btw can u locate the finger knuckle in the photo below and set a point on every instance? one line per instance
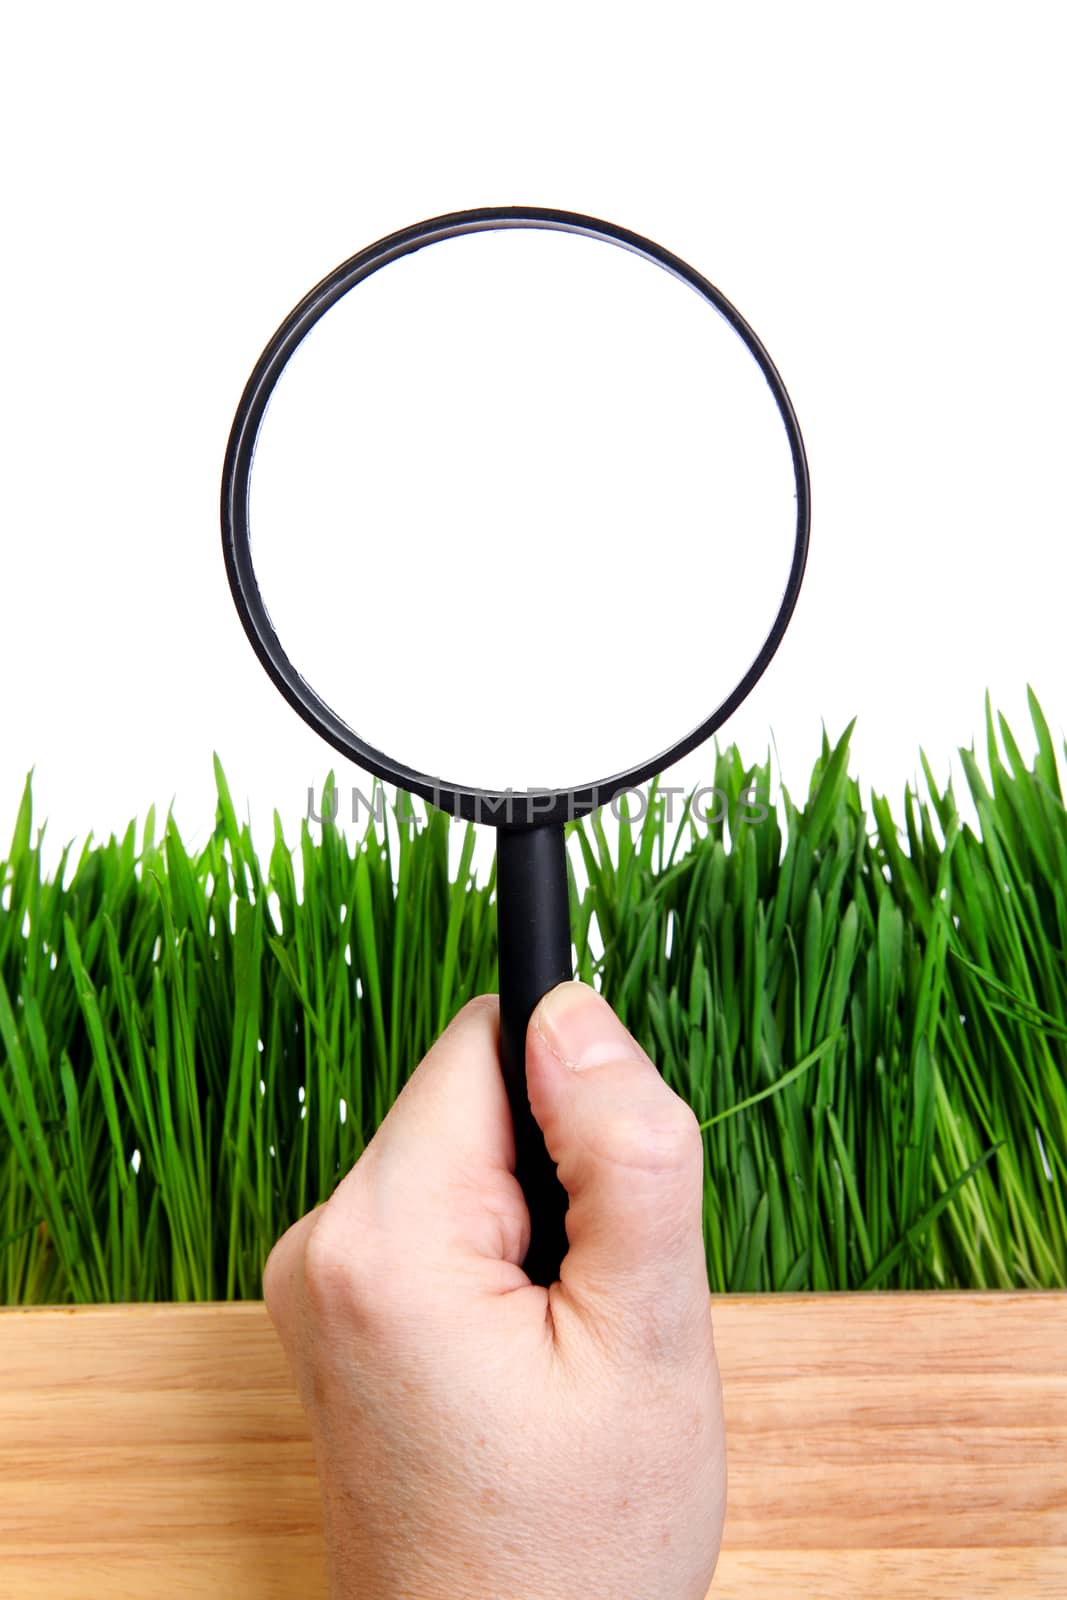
(666, 1138)
(343, 1273)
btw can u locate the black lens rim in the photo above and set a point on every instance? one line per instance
(527, 808)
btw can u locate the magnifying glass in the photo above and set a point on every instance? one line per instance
(528, 503)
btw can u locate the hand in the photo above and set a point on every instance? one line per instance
(477, 1435)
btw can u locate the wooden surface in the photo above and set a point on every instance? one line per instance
(911, 1446)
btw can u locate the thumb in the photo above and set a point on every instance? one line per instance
(630, 1154)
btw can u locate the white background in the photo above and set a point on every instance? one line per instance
(879, 190)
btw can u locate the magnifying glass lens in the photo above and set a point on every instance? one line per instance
(522, 509)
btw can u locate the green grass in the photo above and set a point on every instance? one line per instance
(869, 1020)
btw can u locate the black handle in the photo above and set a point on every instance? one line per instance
(534, 937)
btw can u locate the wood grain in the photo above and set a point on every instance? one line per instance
(881, 1447)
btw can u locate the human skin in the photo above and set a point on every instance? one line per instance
(477, 1435)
